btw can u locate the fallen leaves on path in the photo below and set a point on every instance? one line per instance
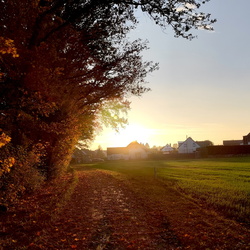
(111, 212)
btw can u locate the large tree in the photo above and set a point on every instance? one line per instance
(63, 61)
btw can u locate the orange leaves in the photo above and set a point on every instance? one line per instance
(32, 245)
(37, 104)
(4, 139)
(6, 163)
(7, 47)
(58, 71)
(38, 233)
(188, 236)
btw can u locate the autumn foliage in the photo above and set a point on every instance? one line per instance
(67, 66)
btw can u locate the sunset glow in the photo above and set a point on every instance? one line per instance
(201, 89)
(133, 132)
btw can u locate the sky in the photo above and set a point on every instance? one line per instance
(202, 89)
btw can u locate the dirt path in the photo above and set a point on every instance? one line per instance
(110, 211)
(105, 214)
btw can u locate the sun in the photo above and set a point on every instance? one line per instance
(132, 132)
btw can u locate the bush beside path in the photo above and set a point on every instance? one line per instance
(107, 210)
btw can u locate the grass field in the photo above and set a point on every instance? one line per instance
(223, 184)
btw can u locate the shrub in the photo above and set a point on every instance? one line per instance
(18, 171)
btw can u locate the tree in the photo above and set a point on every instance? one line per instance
(68, 60)
(99, 153)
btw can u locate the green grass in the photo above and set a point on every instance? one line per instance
(223, 183)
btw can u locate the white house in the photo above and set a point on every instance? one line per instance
(167, 149)
(133, 151)
(188, 146)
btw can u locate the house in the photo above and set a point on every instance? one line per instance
(80, 156)
(133, 151)
(118, 153)
(188, 146)
(167, 149)
(246, 139)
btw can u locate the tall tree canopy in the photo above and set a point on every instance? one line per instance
(64, 61)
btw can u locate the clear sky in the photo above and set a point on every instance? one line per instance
(202, 89)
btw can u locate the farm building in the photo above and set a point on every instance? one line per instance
(220, 150)
(188, 146)
(232, 142)
(133, 151)
(246, 139)
(167, 149)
